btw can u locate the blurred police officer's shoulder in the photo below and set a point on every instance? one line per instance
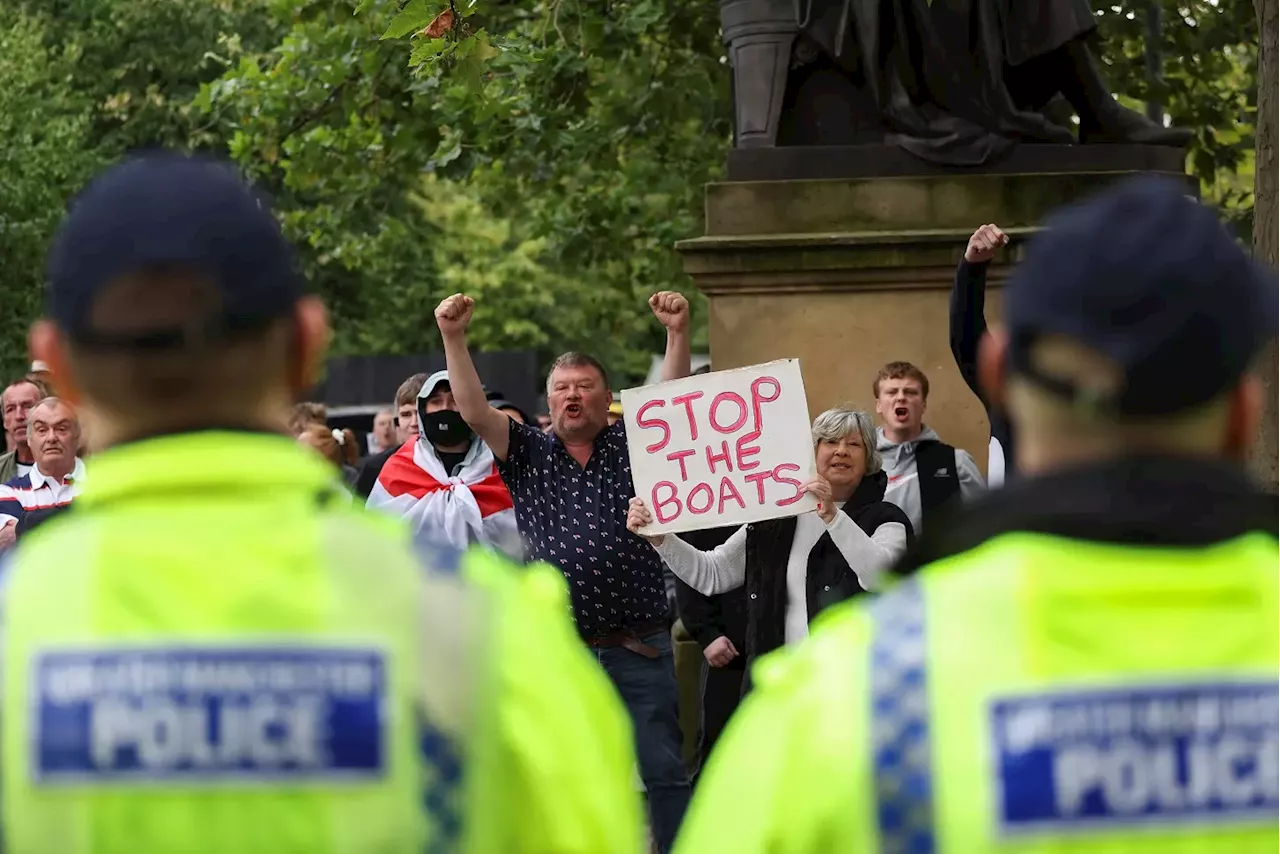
(1028, 686)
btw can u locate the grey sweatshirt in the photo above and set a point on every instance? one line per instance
(904, 484)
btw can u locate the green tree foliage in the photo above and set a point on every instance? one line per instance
(551, 168)
(586, 108)
(604, 120)
(83, 82)
(43, 156)
(140, 62)
(1208, 54)
(543, 155)
(331, 122)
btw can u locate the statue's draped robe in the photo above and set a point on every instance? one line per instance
(940, 73)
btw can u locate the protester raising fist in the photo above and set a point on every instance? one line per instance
(453, 315)
(984, 243)
(671, 309)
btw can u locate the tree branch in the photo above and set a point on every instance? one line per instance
(315, 113)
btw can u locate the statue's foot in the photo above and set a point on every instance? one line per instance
(1120, 125)
(1037, 127)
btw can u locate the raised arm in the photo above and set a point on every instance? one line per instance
(968, 301)
(493, 426)
(701, 614)
(672, 310)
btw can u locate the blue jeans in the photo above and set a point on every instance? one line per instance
(648, 687)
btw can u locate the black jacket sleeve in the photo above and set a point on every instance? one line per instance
(700, 614)
(703, 616)
(968, 320)
(33, 519)
(369, 471)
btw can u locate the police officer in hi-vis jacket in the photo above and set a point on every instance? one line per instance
(1087, 661)
(214, 651)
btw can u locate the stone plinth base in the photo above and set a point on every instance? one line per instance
(849, 274)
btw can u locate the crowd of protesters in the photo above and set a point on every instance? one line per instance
(237, 634)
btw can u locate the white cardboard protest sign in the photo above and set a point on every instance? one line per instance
(723, 448)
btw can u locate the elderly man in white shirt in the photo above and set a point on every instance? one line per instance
(795, 567)
(53, 432)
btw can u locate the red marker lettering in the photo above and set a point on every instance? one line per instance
(744, 450)
(659, 503)
(715, 407)
(789, 480)
(686, 400)
(722, 457)
(679, 457)
(758, 398)
(758, 479)
(654, 422)
(711, 499)
(727, 491)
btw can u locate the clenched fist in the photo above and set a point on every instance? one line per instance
(453, 315)
(984, 243)
(671, 309)
(720, 652)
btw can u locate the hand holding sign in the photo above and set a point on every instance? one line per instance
(820, 488)
(639, 518)
(721, 448)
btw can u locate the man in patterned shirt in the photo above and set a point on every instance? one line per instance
(571, 488)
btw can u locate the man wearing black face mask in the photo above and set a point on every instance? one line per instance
(441, 423)
(447, 483)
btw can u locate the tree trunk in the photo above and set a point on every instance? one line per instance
(1151, 47)
(1266, 229)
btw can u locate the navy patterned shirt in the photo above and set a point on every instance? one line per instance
(575, 518)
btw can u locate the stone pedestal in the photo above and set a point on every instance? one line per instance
(849, 272)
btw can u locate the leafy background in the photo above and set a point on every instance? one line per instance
(543, 156)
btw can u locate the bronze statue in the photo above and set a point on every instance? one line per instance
(955, 82)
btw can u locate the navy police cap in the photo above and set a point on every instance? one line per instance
(170, 210)
(1151, 279)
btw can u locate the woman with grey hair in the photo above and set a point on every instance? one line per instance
(795, 567)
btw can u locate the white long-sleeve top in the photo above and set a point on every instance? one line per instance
(725, 567)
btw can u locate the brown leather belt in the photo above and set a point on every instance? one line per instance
(630, 638)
